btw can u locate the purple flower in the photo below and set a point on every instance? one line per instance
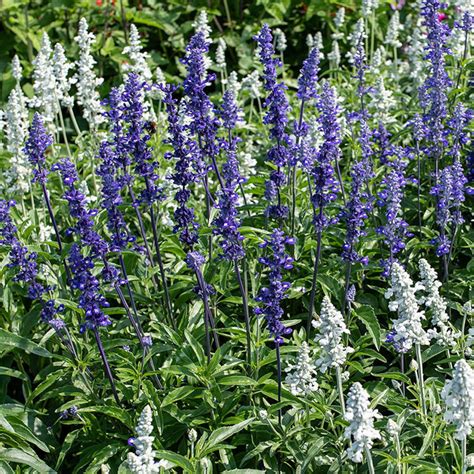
(137, 137)
(309, 76)
(277, 117)
(356, 212)
(271, 296)
(433, 93)
(90, 299)
(204, 124)
(398, 345)
(390, 197)
(26, 266)
(450, 194)
(326, 185)
(184, 172)
(227, 224)
(35, 149)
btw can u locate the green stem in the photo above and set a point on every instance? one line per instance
(421, 383)
(340, 391)
(370, 462)
(463, 455)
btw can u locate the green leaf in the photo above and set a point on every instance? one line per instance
(67, 443)
(221, 434)
(8, 372)
(10, 340)
(20, 457)
(237, 380)
(176, 459)
(367, 315)
(177, 394)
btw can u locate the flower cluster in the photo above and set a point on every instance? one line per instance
(407, 328)
(326, 186)
(449, 193)
(184, 151)
(271, 296)
(143, 460)
(35, 148)
(395, 229)
(226, 223)
(458, 394)
(433, 92)
(26, 267)
(331, 327)
(136, 138)
(276, 116)
(301, 378)
(361, 431)
(85, 78)
(138, 58)
(433, 301)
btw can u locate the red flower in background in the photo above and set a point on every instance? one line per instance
(98, 3)
(442, 16)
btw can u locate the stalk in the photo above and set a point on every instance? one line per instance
(108, 370)
(399, 455)
(278, 358)
(420, 378)
(169, 308)
(370, 462)
(246, 312)
(314, 283)
(340, 390)
(463, 455)
(56, 230)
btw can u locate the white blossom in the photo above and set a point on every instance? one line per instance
(408, 326)
(17, 177)
(335, 55)
(201, 25)
(318, 43)
(280, 40)
(143, 460)
(301, 376)
(85, 78)
(220, 54)
(44, 83)
(61, 68)
(432, 300)
(253, 84)
(393, 428)
(378, 60)
(415, 54)
(233, 83)
(361, 432)
(357, 36)
(309, 41)
(393, 31)
(383, 102)
(368, 6)
(331, 328)
(458, 394)
(340, 17)
(138, 58)
(16, 69)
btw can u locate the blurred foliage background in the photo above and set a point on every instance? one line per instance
(165, 26)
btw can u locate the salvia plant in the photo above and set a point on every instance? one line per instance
(233, 247)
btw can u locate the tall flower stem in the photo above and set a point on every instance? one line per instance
(399, 454)
(108, 370)
(74, 121)
(464, 455)
(246, 312)
(208, 319)
(370, 462)
(420, 377)
(340, 390)
(55, 226)
(164, 282)
(314, 282)
(293, 173)
(346, 286)
(278, 360)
